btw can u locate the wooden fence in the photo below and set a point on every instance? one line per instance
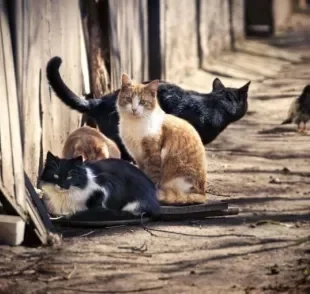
(44, 29)
(148, 39)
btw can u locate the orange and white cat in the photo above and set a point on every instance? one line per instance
(168, 149)
(90, 144)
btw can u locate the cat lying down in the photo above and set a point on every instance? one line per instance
(71, 185)
(90, 144)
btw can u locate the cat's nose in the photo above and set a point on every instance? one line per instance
(134, 110)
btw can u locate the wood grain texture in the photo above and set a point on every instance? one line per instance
(12, 159)
(45, 29)
(129, 44)
(179, 38)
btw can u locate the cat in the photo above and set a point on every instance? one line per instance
(209, 113)
(71, 185)
(167, 148)
(90, 144)
(299, 111)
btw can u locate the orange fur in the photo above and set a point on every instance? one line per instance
(90, 144)
(168, 149)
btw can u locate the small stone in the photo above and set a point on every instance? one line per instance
(285, 170)
(274, 180)
(274, 270)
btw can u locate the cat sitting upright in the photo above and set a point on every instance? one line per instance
(90, 144)
(71, 185)
(167, 148)
(209, 113)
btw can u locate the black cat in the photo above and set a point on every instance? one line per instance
(71, 185)
(209, 113)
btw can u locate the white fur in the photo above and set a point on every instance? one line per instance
(132, 207)
(163, 154)
(180, 184)
(80, 196)
(134, 129)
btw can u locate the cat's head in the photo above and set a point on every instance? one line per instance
(137, 100)
(239, 95)
(63, 173)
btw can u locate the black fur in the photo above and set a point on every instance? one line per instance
(303, 105)
(209, 113)
(304, 100)
(124, 182)
(287, 121)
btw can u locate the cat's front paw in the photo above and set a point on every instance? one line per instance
(39, 192)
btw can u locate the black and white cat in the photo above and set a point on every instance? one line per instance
(71, 185)
(209, 113)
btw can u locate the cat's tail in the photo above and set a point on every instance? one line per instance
(170, 196)
(287, 121)
(63, 92)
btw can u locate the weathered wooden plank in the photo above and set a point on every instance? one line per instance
(5, 139)
(129, 43)
(179, 38)
(12, 103)
(45, 29)
(214, 28)
(238, 19)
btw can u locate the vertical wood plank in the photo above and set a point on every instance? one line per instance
(129, 40)
(179, 38)
(214, 28)
(12, 107)
(6, 171)
(45, 28)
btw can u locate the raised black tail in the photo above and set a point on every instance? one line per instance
(63, 92)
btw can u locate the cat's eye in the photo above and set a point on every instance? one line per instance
(56, 176)
(69, 178)
(142, 102)
(128, 99)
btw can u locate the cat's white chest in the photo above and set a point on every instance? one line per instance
(133, 132)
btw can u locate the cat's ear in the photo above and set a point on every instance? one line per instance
(153, 86)
(126, 80)
(78, 160)
(243, 91)
(217, 84)
(49, 155)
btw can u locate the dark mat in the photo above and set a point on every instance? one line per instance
(100, 217)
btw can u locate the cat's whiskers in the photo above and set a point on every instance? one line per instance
(54, 165)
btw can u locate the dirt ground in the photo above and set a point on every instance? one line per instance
(261, 167)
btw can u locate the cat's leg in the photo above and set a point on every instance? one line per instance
(298, 127)
(180, 191)
(152, 167)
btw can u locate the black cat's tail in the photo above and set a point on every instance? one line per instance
(287, 121)
(63, 92)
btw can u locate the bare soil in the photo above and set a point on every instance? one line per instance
(256, 164)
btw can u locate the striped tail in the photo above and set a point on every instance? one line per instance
(170, 196)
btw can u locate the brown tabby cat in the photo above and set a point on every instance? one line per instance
(90, 144)
(168, 149)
